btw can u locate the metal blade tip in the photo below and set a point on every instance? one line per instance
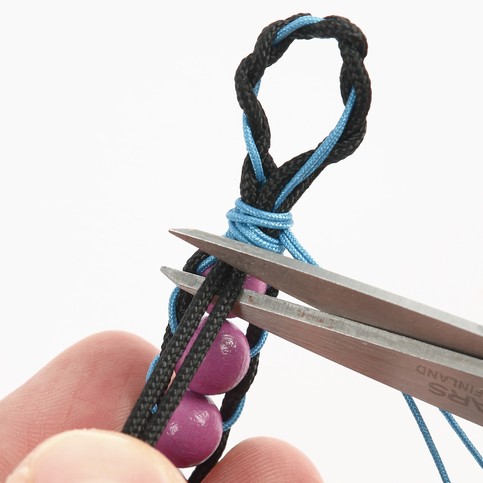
(169, 272)
(183, 233)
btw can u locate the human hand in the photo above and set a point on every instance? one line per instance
(94, 384)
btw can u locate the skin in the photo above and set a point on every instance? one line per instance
(94, 384)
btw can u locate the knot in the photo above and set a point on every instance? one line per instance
(245, 223)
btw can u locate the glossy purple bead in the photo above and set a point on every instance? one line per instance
(251, 283)
(193, 431)
(226, 362)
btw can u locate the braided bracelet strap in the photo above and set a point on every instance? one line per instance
(261, 216)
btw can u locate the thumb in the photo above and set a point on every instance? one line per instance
(94, 456)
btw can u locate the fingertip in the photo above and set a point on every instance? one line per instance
(94, 455)
(265, 460)
(112, 345)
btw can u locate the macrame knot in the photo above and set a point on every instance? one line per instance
(246, 222)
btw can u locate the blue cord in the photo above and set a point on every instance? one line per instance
(234, 418)
(284, 32)
(152, 366)
(320, 154)
(173, 320)
(464, 438)
(258, 346)
(252, 147)
(427, 437)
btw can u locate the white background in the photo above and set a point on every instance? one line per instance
(118, 120)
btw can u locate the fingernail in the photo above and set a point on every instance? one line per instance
(89, 456)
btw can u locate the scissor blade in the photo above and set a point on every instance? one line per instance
(339, 295)
(443, 378)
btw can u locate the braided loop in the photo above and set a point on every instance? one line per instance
(262, 192)
(353, 75)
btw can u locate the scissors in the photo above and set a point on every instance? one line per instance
(427, 353)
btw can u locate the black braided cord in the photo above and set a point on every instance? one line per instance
(224, 281)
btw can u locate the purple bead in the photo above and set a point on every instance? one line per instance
(251, 283)
(226, 362)
(193, 431)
